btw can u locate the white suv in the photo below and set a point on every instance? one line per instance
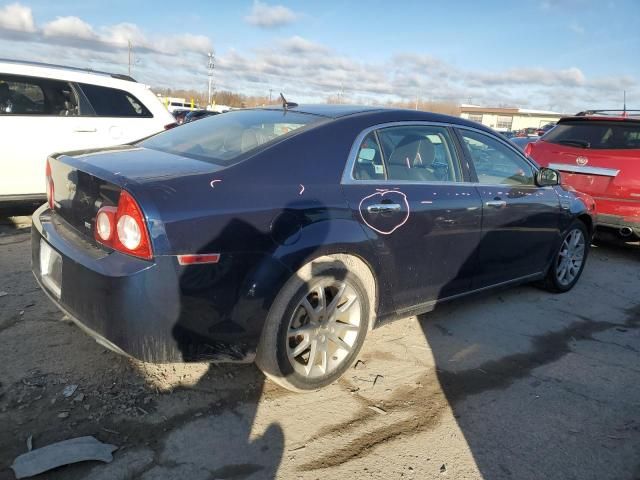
(46, 109)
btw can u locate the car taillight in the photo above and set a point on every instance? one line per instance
(527, 149)
(50, 186)
(124, 228)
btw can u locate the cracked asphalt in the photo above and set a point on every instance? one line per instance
(514, 384)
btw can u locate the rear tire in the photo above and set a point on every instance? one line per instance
(316, 325)
(569, 260)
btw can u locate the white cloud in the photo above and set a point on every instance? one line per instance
(71, 27)
(270, 16)
(16, 17)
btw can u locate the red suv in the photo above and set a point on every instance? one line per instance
(598, 152)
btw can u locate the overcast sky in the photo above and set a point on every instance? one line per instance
(565, 55)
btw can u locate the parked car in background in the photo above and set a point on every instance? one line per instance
(527, 132)
(180, 115)
(508, 134)
(286, 234)
(175, 106)
(47, 108)
(199, 114)
(598, 152)
(522, 142)
(545, 128)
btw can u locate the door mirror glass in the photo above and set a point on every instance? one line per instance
(547, 176)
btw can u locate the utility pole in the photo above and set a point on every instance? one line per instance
(210, 67)
(129, 44)
(270, 92)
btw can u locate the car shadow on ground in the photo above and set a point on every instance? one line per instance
(531, 407)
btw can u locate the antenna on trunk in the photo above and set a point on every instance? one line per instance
(624, 103)
(287, 105)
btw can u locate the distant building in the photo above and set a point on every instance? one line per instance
(508, 119)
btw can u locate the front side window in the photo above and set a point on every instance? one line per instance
(36, 96)
(112, 102)
(494, 162)
(596, 134)
(224, 139)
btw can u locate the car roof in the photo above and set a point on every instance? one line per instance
(380, 114)
(607, 115)
(328, 110)
(49, 70)
(600, 118)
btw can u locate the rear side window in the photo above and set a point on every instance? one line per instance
(36, 96)
(596, 134)
(112, 102)
(224, 139)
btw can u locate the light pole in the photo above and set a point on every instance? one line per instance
(210, 67)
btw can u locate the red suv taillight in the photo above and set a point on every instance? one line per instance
(528, 148)
(50, 187)
(123, 228)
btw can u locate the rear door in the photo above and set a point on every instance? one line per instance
(520, 221)
(118, 116)
(405, 185)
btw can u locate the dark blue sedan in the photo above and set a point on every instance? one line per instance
(284, 234)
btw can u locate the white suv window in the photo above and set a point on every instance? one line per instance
(112, 102)
(36, 96)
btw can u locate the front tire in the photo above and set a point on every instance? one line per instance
(570, 259)
(315, 327)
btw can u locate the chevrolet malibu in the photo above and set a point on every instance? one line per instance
(285, 234)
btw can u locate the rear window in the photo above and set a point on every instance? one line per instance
(113, 102)
(223, 139)
(596, 134)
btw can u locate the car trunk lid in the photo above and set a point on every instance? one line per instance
(85, 183)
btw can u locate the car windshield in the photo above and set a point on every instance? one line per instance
(224, 139)
(596, 134)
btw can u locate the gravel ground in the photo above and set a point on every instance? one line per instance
(516, 384)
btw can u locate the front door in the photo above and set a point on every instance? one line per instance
(406, 188)
(520, 220)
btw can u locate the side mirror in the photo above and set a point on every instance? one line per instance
(547, 177)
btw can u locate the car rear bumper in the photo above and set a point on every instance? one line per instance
(618, 213)
(132, 306)
(618, 222)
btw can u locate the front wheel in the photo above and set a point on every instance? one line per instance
(315, 327)
(569, 260)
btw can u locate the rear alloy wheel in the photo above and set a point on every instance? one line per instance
(570, 259)
(315, 328)
(323, 329)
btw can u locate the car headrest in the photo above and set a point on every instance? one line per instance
(406, 151)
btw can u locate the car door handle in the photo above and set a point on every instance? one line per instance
(383, 208)
(496, 203)
(86, 130)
